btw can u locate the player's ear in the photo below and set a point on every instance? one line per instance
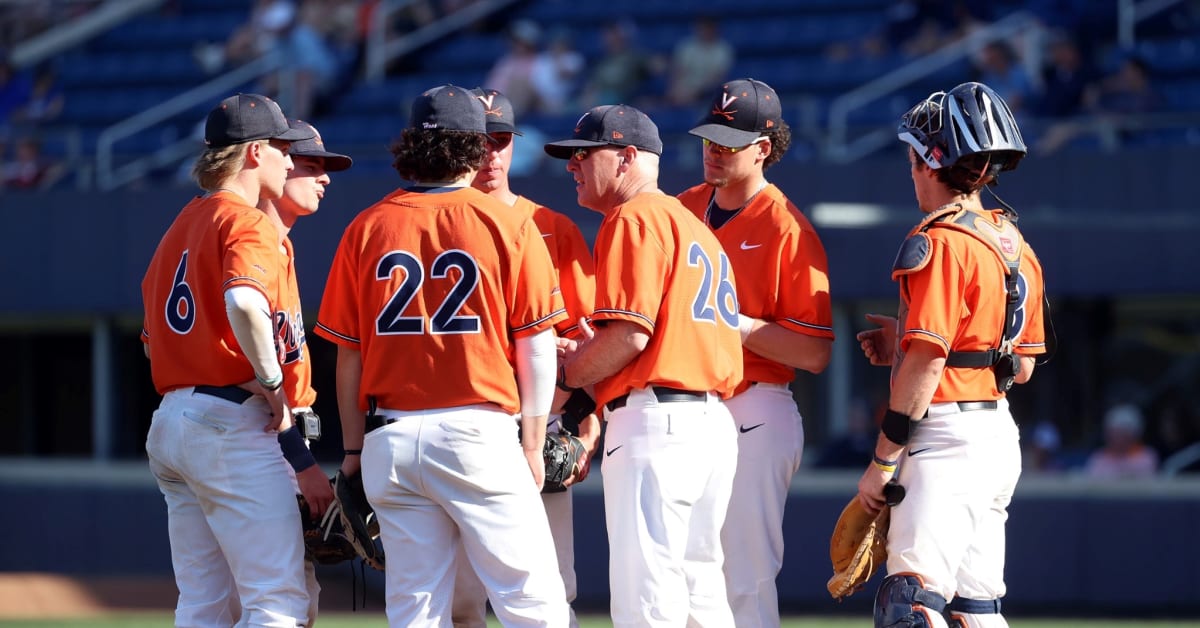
(254, 152)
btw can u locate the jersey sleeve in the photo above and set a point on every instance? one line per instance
(935, 300)
(803, 305)
(632, 265)
(337, 320)
(534, 294)
(251, 254)
(576, 275)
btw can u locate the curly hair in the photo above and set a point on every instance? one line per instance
(972, 172)
(437, 154)
(215, 165)
(781, 141)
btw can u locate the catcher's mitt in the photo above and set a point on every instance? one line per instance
(858, 548)
(357, 519)
(325, 541)
(561, 452)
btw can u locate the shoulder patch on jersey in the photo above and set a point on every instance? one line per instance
(912, 256)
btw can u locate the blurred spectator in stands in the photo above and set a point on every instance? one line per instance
(1123, 454)
(699, 63)
(910, 28)
(263, 33)
(28, 169)
(1041, 450)
(512, 74)
(310, 57)
(557, 72)
(45, 101)
(849, 449)
(999, 68)
(15, 88)
(1109, 102)
(621, 73)
(1065, 74)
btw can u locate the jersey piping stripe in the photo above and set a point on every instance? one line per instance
(928, 333)
(561, 310)
(1032, 345)
(808, 325)
(252, 280)
(641, 316)
(342, 336)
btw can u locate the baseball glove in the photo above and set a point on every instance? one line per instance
(857, 549)
(325, 541)
(357, 519)
(561, 453)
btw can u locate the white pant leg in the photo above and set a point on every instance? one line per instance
(950, 527)
(469, 609)
(466, 464)
(313, 586)
(560, 516)
(667, 476)
(770, 445)
(239, 479)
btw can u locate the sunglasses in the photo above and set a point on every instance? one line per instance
(728, 150)
(499, 141)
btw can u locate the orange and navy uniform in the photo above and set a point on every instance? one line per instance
(572, 260)
(217, 242)
(433, 288)
(660, 268)
(956, 303)
(781, 268)
(292, 345)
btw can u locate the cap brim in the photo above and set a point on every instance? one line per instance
(334, 162)
(295, 135)
(725, 136)
(501, 127)
(565, 148)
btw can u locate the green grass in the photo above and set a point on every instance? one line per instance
(375, 618)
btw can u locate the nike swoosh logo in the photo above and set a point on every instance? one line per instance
(747, 247)
(917, 451)
(610, 452)
(745, 429)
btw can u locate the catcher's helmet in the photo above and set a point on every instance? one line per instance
(969, 119)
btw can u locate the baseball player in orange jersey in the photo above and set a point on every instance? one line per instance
(783, 291)
(442, 302)
(576, 276)
(216, 283)
(664, 353)
(970, 325)
(302, 194)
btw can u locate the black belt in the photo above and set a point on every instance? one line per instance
(663, 394)
(375, 421)
(228, 393)
(969, 406)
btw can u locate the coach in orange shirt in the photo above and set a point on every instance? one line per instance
(442, 301)
(665, 352)
(970, 325)
(214, 287)
(576, 278)
(786, 323)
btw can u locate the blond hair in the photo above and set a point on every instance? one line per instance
(216, 165)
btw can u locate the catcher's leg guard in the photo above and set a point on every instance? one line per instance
(903, 602)
(964, 612)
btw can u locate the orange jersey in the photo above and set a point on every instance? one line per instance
(572, 261)
(659, 267)
(782, 273)
(289, 335)
(956, 302)
(217, 242)
(433, 289)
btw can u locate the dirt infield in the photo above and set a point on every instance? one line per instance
(45, 595)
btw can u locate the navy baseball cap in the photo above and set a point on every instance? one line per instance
(315, 147)
(610, 125)
(248, 117)
(742, 111)
(449, 108)
(499, 110)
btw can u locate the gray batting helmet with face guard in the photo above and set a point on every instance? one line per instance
(969, 119)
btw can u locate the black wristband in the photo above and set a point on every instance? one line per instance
(896, 427)
(352, 452)
(295, 449)
(561, 382)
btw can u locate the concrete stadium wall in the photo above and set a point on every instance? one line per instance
(1075, 547)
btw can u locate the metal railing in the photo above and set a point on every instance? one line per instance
(381, 51)
(110, 176)
(62, 37)
(1130, 12)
